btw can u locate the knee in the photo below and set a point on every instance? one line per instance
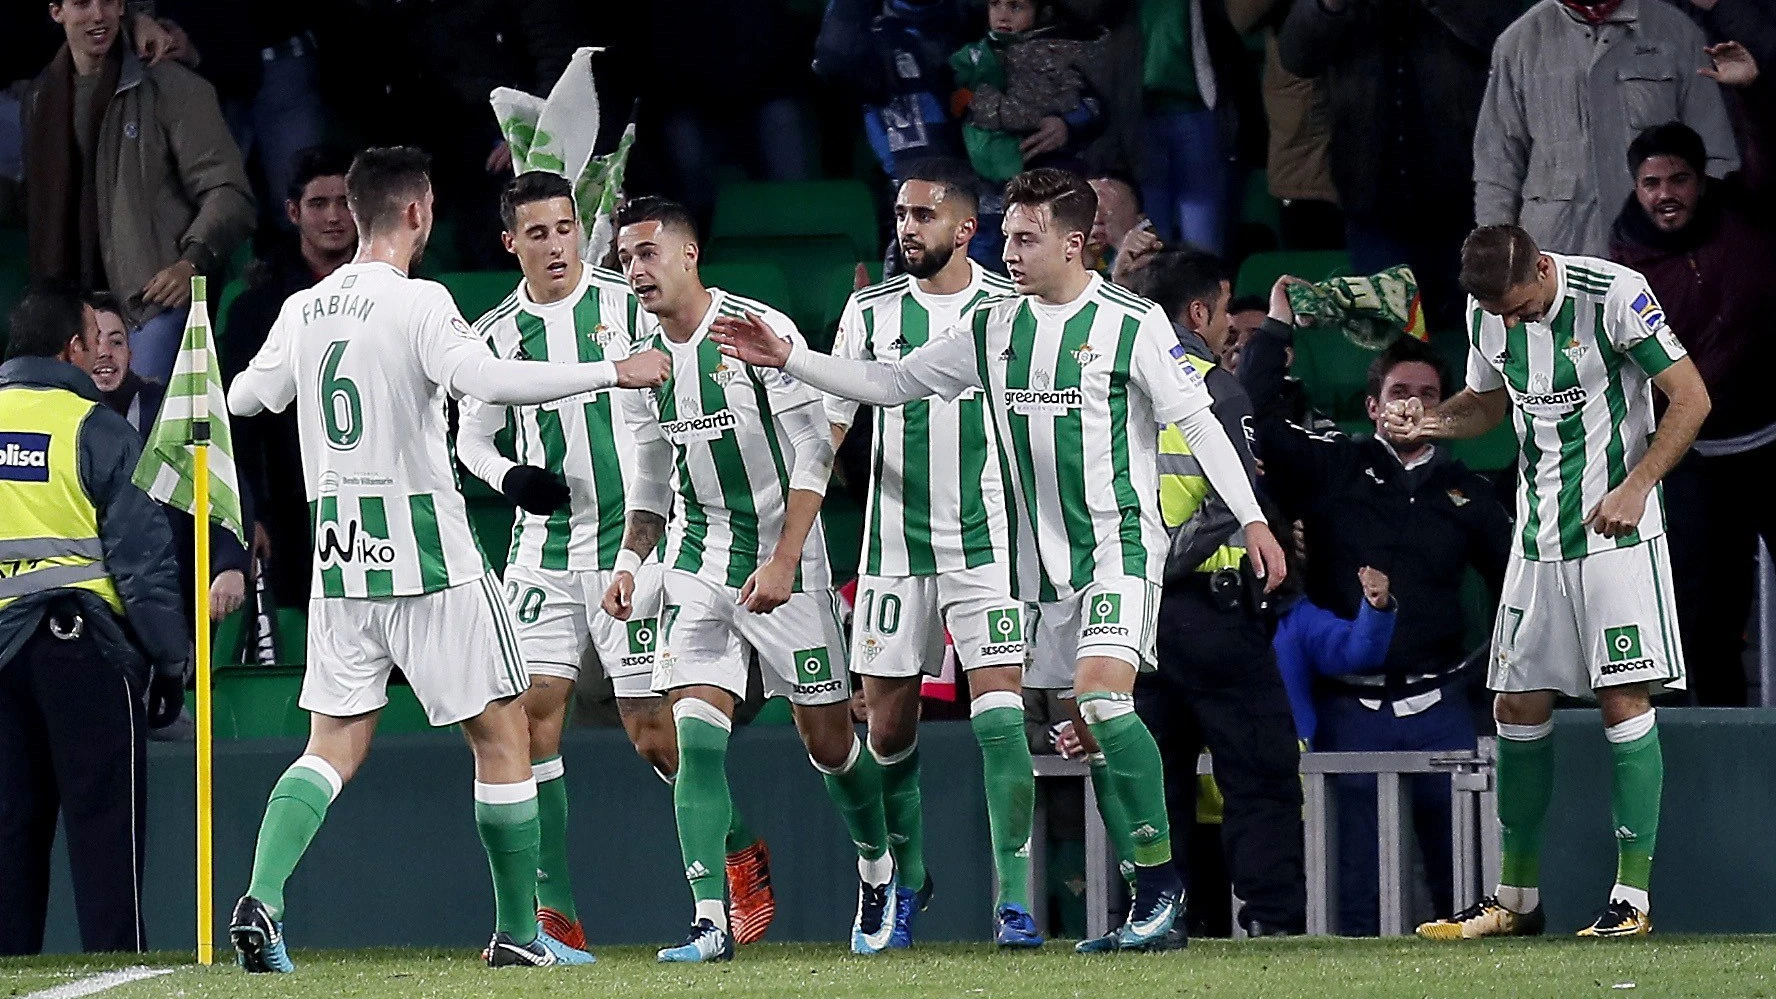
(659, 749)
(891, 736)
(834, 750)
(1522, 709)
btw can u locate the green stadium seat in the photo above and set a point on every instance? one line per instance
(800, 208)
(753, 279)
(1492, 451)
(1335, 371)
(1261, 270)
(230, 292)
(258, 702)
(477, 292)
(818, 270)
(1260, 207)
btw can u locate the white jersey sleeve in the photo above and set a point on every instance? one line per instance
(850, 342)
(1176, 390)
(945, 365)
(1635, 323)
(1482, 376)
(270, 380)
(476, 426)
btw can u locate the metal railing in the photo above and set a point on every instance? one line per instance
(1474, 851)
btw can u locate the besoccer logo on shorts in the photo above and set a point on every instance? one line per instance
(814, 672)
(642, 634)
(1622, 650)
(1005, 634)
(1104, 617)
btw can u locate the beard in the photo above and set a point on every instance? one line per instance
(418, 254)
(931, 260)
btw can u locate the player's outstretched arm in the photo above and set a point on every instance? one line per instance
(1620, 511)
(480, 375)
(878, 383)
(1466, 414)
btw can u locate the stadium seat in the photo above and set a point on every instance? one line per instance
(1260, 207)
(762, 280)
(258, 702)
(477, 292)
(1261, 270)
(799, 208)
(1492, 451)
(230, 292)
(817, 270)
(1335, 372)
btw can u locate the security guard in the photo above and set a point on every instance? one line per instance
(89, 628)
(1217, 683)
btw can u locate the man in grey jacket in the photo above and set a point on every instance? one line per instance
(1572, 83)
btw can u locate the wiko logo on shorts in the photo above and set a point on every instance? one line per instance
(1005, 633)
(814, 672)
(24, 457)
(1622, 651)
(1103, 617)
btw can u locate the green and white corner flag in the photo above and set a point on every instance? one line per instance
(167, 470)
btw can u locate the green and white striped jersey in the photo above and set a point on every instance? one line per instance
(366, 353)
(588, 440)
(731, 453)
(1580, 383)
(1078, 393)
(936, 501)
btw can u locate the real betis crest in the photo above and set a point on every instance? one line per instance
(723, 375)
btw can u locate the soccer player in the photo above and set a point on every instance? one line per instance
(934, 554)
(580, 455)
(368, 356)
(748, 453)
(1572, 347)
(1079, 375)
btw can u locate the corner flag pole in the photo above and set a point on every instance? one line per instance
(200, 440)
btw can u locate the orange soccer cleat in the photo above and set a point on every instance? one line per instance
(752, 904)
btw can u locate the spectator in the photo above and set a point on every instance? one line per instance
(91, 643)
(1424, 519)
(132, 182)
(1244, 315)
(268, 454)
(1119, 210)
(1404, 81)
(894, 57)
(1312, 642)
(1750, 23)
(1708, 250)
(1572, 83)
(1298, 170)
(1025, 90)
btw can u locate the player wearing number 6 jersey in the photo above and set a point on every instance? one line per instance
(577, 456)
(747, 453)
(1079, 378)
(369, 355)
(934, 552)
(1572, 347)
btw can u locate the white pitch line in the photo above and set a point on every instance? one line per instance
(98, 983)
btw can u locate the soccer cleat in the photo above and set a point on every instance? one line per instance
(1619, 919)
(1485, 918)
(258, 938)
(873, 928)
(752, 904)
(504, 952)
(907, 903)
(706, 943)
(1017, 928)
(565, 953)
(564, 931)
(1149, 925)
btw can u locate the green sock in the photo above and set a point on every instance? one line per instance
(1116, 823)
(701, 802)
(510, 833)
(298, 803)
(554, 882)
(1011, 794)
(740, 835)
(903, 812)
(857, 790)
(1639, 780)
(1132, 763)
(1525, 786)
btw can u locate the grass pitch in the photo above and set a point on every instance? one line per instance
(1316, 969)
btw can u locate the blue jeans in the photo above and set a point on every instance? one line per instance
(1347, 726)
(154, 348)
(12, 138)
(282, 119)
(1187, 182)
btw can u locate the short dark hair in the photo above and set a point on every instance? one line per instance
(104, 301)
(953, 175)
(1068, 197)
(653, 208)
(1175, 278)
(1497, 258)
(315, 162)
(382, 180)
(1248, 303)
(1124, 178)
(1673, 138)
(1406, 350)
(527, 188)
(50, 314)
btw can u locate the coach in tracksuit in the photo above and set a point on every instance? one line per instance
(90, 633)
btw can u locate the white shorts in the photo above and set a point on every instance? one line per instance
(556, 611)
(1114, 617)
(1583, 624)
(898, 622)
(456, 647)
(705, 635)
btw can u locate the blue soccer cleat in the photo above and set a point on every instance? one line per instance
(877, 915)
(1017, 928)
(258, 938)
(706, 943)
(1149, 925)
(565, 953)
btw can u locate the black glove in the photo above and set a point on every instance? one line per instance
(166, 695)
(535, 489)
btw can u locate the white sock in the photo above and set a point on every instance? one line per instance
(1519, 900)
(878, 871)
(713, 910)
(1636, 897)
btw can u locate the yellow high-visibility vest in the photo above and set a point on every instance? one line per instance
(1183, 486)
(49, 537)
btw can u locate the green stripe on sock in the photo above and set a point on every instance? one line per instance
(1011, 797)
(294, 813)
(511, 835)
(903, 812)
(1525, 786)
(554, 881)
(701, 802)
(1637, 784)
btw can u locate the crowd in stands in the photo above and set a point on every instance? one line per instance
(145, 143)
